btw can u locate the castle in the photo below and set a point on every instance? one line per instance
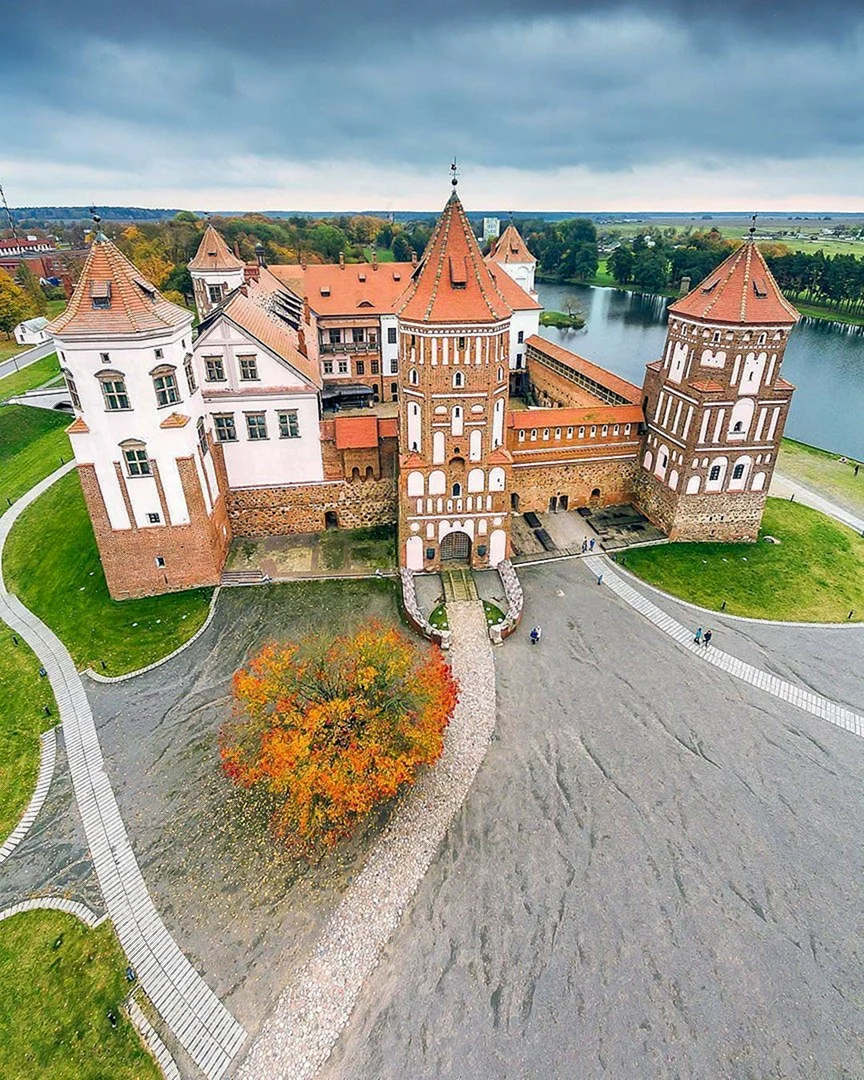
(346, 395)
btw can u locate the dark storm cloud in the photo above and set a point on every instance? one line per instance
(551, 85)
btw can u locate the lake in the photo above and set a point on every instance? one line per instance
(625, 331)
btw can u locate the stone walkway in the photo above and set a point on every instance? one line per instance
(300, 1034)
(195, 1016)
(55, 903)
(796, 695)
(784, 486)
(47, 759)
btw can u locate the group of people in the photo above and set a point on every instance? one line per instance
(587, 546)
(703, 637)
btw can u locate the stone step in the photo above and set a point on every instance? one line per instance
(243, 577)
(458, 585)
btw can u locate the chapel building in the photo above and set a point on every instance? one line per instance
(416, 394)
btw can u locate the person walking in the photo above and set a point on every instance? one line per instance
(698, 639)
(584, 545)
(591, 545)
(535, 635)
(708, 636)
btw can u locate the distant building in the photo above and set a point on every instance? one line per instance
(32, 331)
(491, 228)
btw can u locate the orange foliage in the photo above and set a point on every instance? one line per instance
(332, 729)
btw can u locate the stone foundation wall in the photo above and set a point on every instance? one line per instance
(194, 554)
(302, 508)
(721, 516)
(537, 484)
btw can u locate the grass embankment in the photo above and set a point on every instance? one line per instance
(59, 980)
(816, 573)
(33, 443)
(52, 563)
(22, 720)
(820, 311)
(561, 321)
(11, 348)
(373, 547)
(385, 255)
(824, 473)
(28, 378)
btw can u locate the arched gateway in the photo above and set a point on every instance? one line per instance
(456, 547)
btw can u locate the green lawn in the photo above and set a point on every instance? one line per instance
(438, 618)
(22, 720)
(385, 255)
(52, 563)
(816, 573)
(19, 382)
(33, 443)
(824, 473)
(55, 307)
(58, 981)
(819, 311)
(10, 347)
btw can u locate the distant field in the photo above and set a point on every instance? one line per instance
(828, 245)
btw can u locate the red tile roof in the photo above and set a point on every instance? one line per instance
(77, 427)
(707, 386)
(175, 420)
(585, 367)
(453, 284)
(512, 292)
(214, 254)
(352, 289)
(136, 306)
(510, 248)
(356, 432)
(741, 290)
(388, 428)
(570, 417)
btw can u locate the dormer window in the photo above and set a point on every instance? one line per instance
(215, 293)
(100, 294)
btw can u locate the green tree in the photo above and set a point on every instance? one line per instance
(186, 216)
(28, 281)
(15, 304)
(620, 264)
(402, 249)
(651, 270)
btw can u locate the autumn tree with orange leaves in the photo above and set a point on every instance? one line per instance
(332, 728)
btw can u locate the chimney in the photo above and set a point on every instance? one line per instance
(413, 258)
(374, 258)
(301, 342)
(306, 318)
(341, 260)
(244, 289)
(302, 260)
(260, 254)
(685, 286)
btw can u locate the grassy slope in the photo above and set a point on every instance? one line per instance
(52, 563)
(824, 473)
(22, 720)
(815, 575)
(19, 382)
(32, 444)
(58, 982)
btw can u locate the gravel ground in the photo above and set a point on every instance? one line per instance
(656, 873)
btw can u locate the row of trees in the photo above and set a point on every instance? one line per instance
(563, 249)
(20, 298)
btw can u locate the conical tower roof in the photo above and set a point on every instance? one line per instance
(113, 297)
(510, 248)
(741, 290)
(214, 254)
(452, 284)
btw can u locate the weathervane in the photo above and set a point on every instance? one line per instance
(752, 226)
(454, 174)
(97, 221)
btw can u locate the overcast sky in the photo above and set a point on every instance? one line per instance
(351, 104)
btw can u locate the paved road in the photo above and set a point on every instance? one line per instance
(22, 360)
(656, 874)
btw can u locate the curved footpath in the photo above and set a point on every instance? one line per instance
(198, 1020)
(47, 760)
(780, 688)
(784, 486)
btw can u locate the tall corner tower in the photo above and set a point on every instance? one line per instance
(455, 472)
(152, 478)
(716, 404)
(215, 272)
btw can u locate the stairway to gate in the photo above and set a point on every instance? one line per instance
(458, 585)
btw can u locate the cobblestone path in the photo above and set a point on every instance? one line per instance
(316, 1005)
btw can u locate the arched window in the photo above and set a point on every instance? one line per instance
(415, 483)
(412, 377)
(456, 420)
(457, 491)
(476, 480)
(500, 374)
(458, 380)
(497, 478)
(165, 385)
(135, 456)
(437, 483)
(475, 445)
(438, 448)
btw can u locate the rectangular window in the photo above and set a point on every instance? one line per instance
(715, 473)
(518, 361)
(248, 368)
(105, 357)
(391, 335)
(202, 436)
(520, 337)
(360, 367)
(214, 369)
(73, 391)
(328, 367)
(394, 367)
(159, 354)
(225, 429)
(114, 392)
(737, 472)
(376, 367)
(394, 389)
(256, 426)
(343, 367)
(335, 337)
(160, 562)
(190, 374)
(154, 519)
(289, 428)
(215, 293)
(460, 343)
(358, 335)
(166, 389)
(100, 294)
(137, 461)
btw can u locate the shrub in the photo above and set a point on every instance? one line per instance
(333, 728)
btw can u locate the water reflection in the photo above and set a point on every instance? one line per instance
(625, 331)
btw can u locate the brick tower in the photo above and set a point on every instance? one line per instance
(715, 405)
(454, 344)
(153, 482)
(215, 272)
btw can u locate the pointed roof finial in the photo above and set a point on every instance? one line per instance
(753, 227)
(100, 237)
(454, 175)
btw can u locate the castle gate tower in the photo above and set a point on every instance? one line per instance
(454, 345)
(716, 404)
